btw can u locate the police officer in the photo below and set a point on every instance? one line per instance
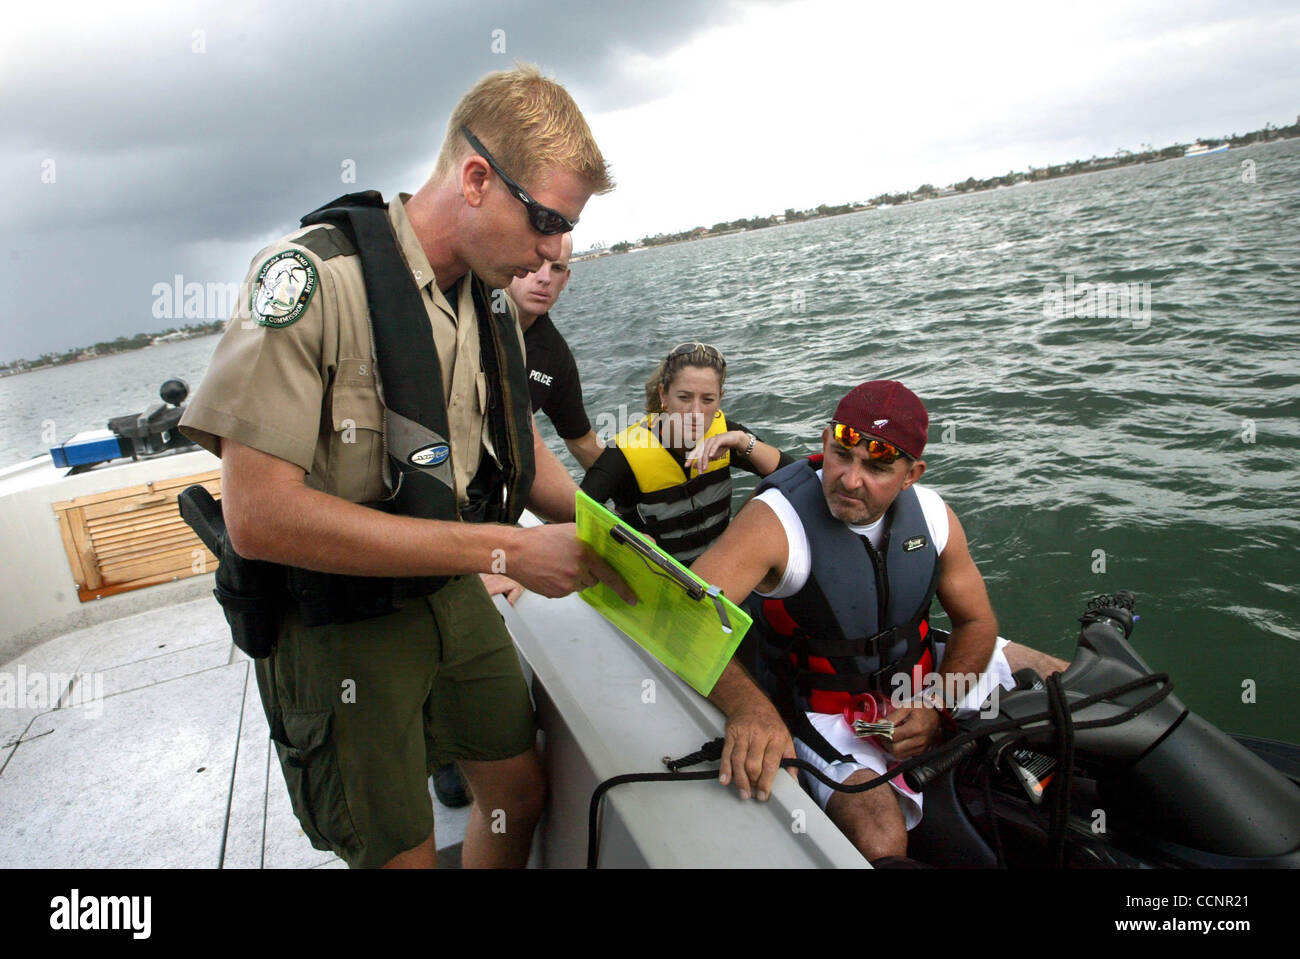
(553, 381)
(362, 707)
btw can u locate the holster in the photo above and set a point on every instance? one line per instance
(251, 592)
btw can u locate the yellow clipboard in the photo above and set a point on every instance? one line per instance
(682, 621)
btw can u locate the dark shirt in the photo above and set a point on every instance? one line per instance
(611, 476)
(553, 382)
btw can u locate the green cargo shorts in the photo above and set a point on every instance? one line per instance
(362, 713)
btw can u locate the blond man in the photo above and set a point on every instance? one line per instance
(389, 658)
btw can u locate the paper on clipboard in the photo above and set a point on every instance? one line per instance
(694, 636)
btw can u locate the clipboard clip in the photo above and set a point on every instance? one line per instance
(652, 556)
(714, 593)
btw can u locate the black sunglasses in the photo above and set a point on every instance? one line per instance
(545, 220)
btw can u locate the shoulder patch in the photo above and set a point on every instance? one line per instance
(285, 284)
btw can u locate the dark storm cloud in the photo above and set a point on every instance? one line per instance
(156, 147)
(169, 161)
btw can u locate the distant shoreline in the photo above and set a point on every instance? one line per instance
(79, 355)
(1122, 158)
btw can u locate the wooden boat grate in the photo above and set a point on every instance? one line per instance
(133, 537)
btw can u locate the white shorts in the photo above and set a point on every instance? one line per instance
(870, 756)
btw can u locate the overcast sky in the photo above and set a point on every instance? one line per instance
(142, 141)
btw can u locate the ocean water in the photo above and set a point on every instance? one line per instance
(1146, 439)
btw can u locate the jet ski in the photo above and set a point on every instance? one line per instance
(1107, 769)
(1100, 766)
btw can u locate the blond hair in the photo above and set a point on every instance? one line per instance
(529, 124)
(702, 356)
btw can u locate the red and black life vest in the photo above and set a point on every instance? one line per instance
(862, 616)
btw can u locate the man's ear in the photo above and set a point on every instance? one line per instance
(914, 473)
(473, 179)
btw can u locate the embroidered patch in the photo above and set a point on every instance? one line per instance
(284, 287)
(916, 542)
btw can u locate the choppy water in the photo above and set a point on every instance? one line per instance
(1159, 453)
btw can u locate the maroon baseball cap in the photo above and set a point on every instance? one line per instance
(889, 410)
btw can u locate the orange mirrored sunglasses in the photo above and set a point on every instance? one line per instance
(877, 449)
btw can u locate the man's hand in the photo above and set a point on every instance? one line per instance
(757, 741)
(496, 584)
(916, 729)
(552, 561)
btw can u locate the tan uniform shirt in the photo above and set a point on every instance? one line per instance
(299, 382)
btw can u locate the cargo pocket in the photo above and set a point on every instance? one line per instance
(311, 771)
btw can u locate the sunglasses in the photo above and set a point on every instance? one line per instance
(877, 449)
(687, 349)
(546, 221)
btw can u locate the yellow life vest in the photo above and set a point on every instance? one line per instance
(684, 514)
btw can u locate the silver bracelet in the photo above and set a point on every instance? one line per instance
(750, 448)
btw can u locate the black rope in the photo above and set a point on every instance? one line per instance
(713, 749)
(712, 752)
(1062, 720)
(988, 769)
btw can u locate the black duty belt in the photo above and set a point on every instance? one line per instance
(324, 598)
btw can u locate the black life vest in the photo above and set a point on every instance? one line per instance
(415, 416)
(862, 616)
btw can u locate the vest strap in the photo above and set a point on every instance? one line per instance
(689, 487)
(404, 349)
(881, 645)
(655, 526)
(696, 540)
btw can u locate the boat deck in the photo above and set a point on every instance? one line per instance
(132, 733)
(154, 752)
